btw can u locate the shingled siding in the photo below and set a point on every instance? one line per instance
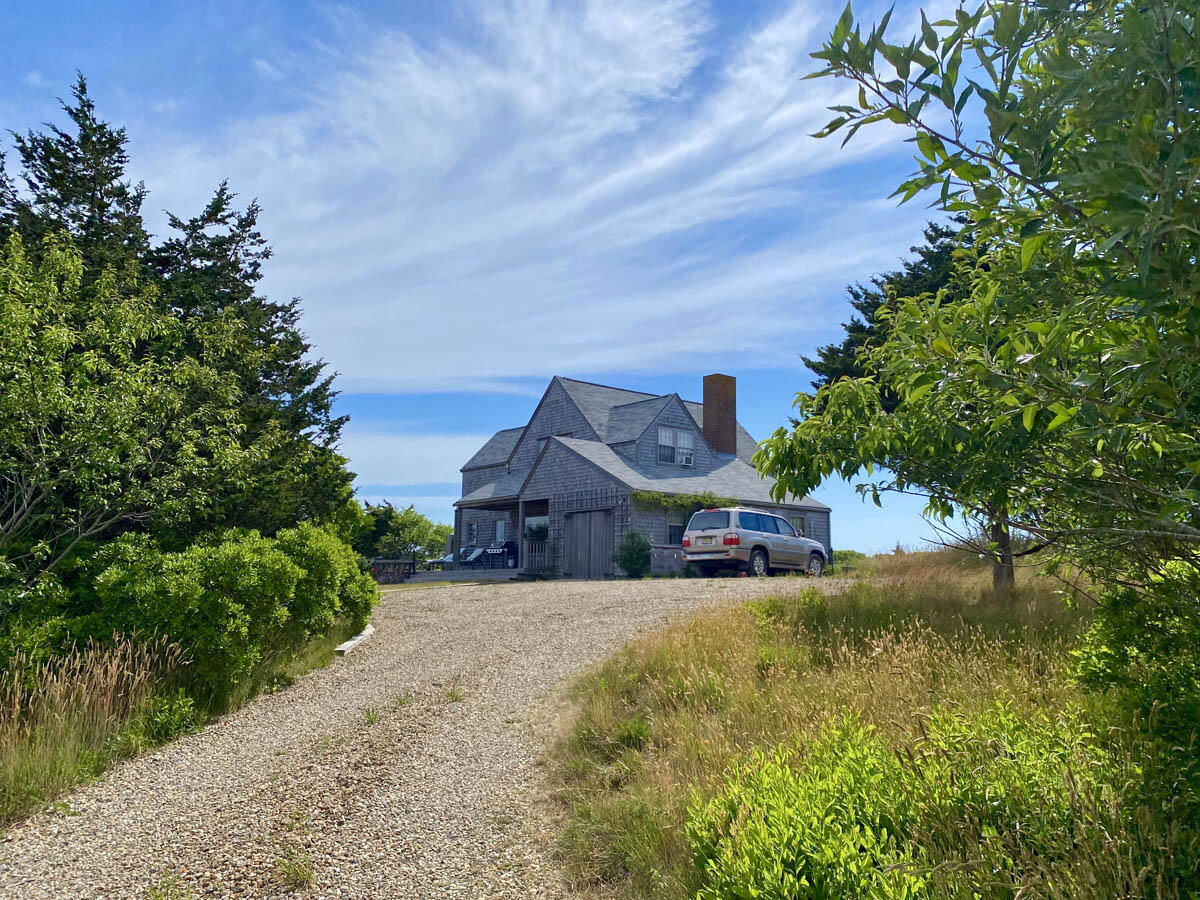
(473, 479)
(818, 527)
(557, 414)
(571, 484)
(675, 416)
(666, 558)
(485, 521)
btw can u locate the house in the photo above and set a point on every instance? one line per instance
(563, 489)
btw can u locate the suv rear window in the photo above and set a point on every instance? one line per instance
(702, 521)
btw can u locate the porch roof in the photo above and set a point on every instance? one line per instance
(506, 487)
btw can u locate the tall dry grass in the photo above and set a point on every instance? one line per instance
(658, 728)
(66, 719)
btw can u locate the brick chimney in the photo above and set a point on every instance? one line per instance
(720, 413)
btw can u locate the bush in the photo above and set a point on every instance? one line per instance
(849, 816)
(634, 555)
(834, 825)
(758, 746)
(1146, 641)
(236, 604)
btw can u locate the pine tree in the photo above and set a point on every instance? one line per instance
(75, 182)
(928, 272)
(207, 269)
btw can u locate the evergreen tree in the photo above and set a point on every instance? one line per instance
(75, 182)
(206, 271)
(928, 272)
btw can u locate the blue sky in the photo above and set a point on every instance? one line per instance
(473, 196)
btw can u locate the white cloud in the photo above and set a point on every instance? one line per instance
(34, 79)
(583, 187)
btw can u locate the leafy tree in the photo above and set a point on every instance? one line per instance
(206, 271)
(1070, 138)
(96, 432)
(400, 534)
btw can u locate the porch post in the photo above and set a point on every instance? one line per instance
(520, 535)
(457, 542)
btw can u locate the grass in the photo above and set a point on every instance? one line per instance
(66, 721)
(170, 888)
(294, 870)
(912, 736)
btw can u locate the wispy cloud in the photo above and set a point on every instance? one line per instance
(267, 70)
(34, 79)
(594, 186)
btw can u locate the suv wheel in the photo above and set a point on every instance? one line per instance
(758, 564)
(816, 565)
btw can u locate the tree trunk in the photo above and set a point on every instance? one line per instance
(1004, 579)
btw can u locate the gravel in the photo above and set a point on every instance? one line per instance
(407, 769)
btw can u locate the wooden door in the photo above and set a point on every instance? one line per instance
(588, 544)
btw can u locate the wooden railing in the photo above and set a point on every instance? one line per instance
(533, 557)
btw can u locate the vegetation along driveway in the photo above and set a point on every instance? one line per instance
(407, 769)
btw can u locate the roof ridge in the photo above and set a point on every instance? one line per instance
(609, 387)
(636, 402)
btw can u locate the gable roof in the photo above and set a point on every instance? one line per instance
(627, 421)
(733, 479)
(598, 402)
(497, 450)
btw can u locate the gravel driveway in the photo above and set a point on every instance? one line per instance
(407, 769)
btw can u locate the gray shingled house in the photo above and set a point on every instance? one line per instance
(560, 489)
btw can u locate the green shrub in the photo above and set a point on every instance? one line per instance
(978, 806)
(830, 824)
(236, 604)
(1146, 642)
(634, 555)
(330, 572)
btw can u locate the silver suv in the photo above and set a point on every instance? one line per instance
(752, 539)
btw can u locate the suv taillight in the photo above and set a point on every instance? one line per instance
(732, 539)
(687, 541)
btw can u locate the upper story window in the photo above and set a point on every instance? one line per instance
(675, 446)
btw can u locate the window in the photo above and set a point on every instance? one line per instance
(768, 525)
(472, 534)
(501, 531)
(785, 527)
(675, 531)
(799, 523)
(749, 521)
(716, 519)
(675, 446)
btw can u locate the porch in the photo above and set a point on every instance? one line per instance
(509, 535)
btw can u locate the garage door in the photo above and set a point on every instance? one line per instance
(588, 551)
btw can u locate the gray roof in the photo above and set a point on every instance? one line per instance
(497, 450)
(628, 421)
(503, 488)
(734, 479)
(598, 402)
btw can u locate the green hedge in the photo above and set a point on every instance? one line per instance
(235, 603)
